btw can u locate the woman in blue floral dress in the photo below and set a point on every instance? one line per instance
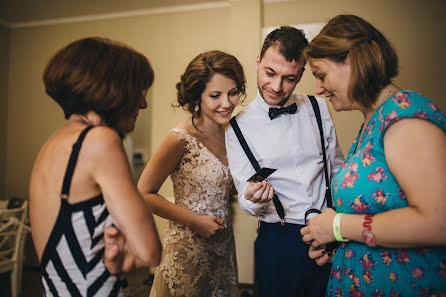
(390, 194)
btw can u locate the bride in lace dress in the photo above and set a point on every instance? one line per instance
(198, 244)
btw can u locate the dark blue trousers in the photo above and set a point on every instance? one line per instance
(282, 265)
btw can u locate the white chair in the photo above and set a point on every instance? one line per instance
(12, 239)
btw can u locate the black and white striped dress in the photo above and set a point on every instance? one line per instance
(71, 263)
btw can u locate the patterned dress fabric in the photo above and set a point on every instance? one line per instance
(71, 262)
(192, 265)
(365, 185)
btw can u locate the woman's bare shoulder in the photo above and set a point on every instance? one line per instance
(102, 139)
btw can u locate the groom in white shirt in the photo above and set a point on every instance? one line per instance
(289, 142)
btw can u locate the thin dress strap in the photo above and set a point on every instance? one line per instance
(72, 163)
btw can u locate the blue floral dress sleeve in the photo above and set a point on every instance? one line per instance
(365, 184)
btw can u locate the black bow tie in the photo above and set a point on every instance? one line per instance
(275, 112)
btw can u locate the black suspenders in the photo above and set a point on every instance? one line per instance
(255, 164)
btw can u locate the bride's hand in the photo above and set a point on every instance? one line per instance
(207, 226)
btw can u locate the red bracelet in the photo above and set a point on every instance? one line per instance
(367, 235)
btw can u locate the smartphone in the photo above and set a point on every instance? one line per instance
(260, 175)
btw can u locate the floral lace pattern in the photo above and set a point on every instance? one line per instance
(192, 265)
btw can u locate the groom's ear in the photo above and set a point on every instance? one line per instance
(299, 75)
(257, 62)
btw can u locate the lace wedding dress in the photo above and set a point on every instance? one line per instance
(192, 265)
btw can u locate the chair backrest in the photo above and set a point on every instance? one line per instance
(12, 228)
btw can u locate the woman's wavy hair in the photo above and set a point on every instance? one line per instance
(98, 74)
(374, 62)
(200, 71)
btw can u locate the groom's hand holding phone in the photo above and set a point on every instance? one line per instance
(259, 189)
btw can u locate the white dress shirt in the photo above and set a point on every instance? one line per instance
(291, 144)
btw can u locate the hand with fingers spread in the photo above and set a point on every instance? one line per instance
(261, 192)
(319, 229)
(207, 226)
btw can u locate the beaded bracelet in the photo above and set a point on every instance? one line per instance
(337, 228)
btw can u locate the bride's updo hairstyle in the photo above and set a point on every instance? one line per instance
(200, 71)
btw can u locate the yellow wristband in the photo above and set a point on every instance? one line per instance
(337, 228)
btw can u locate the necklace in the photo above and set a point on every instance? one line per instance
(386, 93)
(359, 139)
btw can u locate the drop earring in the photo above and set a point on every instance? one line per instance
(197, 108)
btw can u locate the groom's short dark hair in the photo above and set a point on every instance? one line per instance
(291, 42)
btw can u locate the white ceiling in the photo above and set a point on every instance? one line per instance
(22, 11)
